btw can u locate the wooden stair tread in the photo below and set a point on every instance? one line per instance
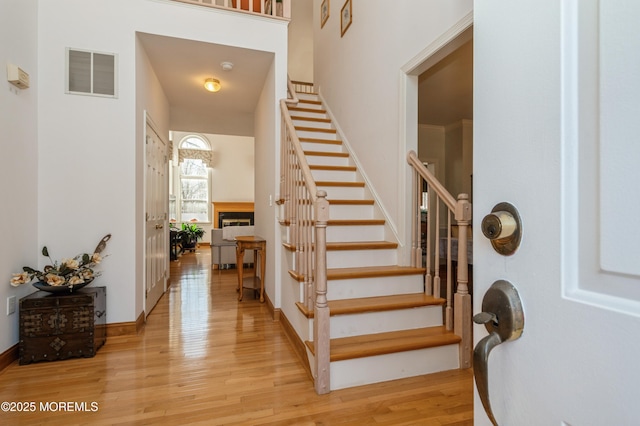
(333, 168)
(314, 129)
(382, 303)
(313, 119)
(355, 222)
(309, 101)
(361, 245)
(302, 109)
(327, 154)
(372, 271)
(350, 202)
(376, 304)
(391, 342)
(365, 272)
(320, 140)
(337, 183)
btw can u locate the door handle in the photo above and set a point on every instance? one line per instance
(503, 317)
(159, 226)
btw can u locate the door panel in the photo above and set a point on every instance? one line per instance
(555, 134)
(157, 204)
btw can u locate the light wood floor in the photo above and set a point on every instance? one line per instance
(203, 358)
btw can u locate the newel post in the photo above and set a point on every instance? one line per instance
(462, 298)
(321, 335)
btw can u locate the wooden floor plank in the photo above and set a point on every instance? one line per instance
(205, 358)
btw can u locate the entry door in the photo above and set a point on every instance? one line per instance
(556, 128)
(157, 203)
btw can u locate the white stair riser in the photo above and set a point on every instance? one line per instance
(327, 160)
(319, 146)
(306, 96)
(354, 288)
(382, 368)
(382, 322)
(320, 108)
(341, 233)
(361, 258)
(310, 114)
(312, 134)
(348, 211)
(343, 192)
(334, 175)
(310, 123)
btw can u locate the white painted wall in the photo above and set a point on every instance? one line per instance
(360, 77)
(301, 41)
(19, 156)
(267, 172)
(90, 148)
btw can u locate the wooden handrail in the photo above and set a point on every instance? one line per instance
(432, 181)
(306, 210)
(459, 320)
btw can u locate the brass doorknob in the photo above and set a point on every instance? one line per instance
(503, 228)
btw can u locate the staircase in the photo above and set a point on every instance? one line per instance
(382, 324)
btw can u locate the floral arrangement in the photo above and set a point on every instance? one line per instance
(69, 272)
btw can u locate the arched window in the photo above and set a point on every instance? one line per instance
(195, 155)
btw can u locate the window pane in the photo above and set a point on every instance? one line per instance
(194, 189)
(194, 210)
(190, 167)
(193, 143)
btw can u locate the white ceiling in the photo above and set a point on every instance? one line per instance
(445, 89)
(182, 66)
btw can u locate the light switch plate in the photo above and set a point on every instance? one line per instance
(11, 305)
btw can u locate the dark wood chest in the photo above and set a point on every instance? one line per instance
(62, 325)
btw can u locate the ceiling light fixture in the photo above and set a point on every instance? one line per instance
(212, 85)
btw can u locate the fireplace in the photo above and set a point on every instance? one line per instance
(226, 213)
(235, 219)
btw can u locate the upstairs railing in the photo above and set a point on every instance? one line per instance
(306, 210)
(273, 8)
(439, 249)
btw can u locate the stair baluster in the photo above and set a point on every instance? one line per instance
(458, 315)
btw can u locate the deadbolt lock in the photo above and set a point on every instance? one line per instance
(503, 228)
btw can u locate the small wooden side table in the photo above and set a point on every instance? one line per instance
(259, 247)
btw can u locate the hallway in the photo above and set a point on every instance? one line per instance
(204, 358)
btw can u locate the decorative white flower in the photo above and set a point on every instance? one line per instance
(53, 279)
(71, 263)
(75, 280)
(21, 278)
(70, 271)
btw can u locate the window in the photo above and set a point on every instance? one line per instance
(91, 73)
(194, 159)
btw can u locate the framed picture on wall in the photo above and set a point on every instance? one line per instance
(345, 17)
(324, 12)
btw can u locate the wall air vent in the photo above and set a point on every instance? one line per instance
(91, 73)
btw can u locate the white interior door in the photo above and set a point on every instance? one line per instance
(556, 125)
(157, 204)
